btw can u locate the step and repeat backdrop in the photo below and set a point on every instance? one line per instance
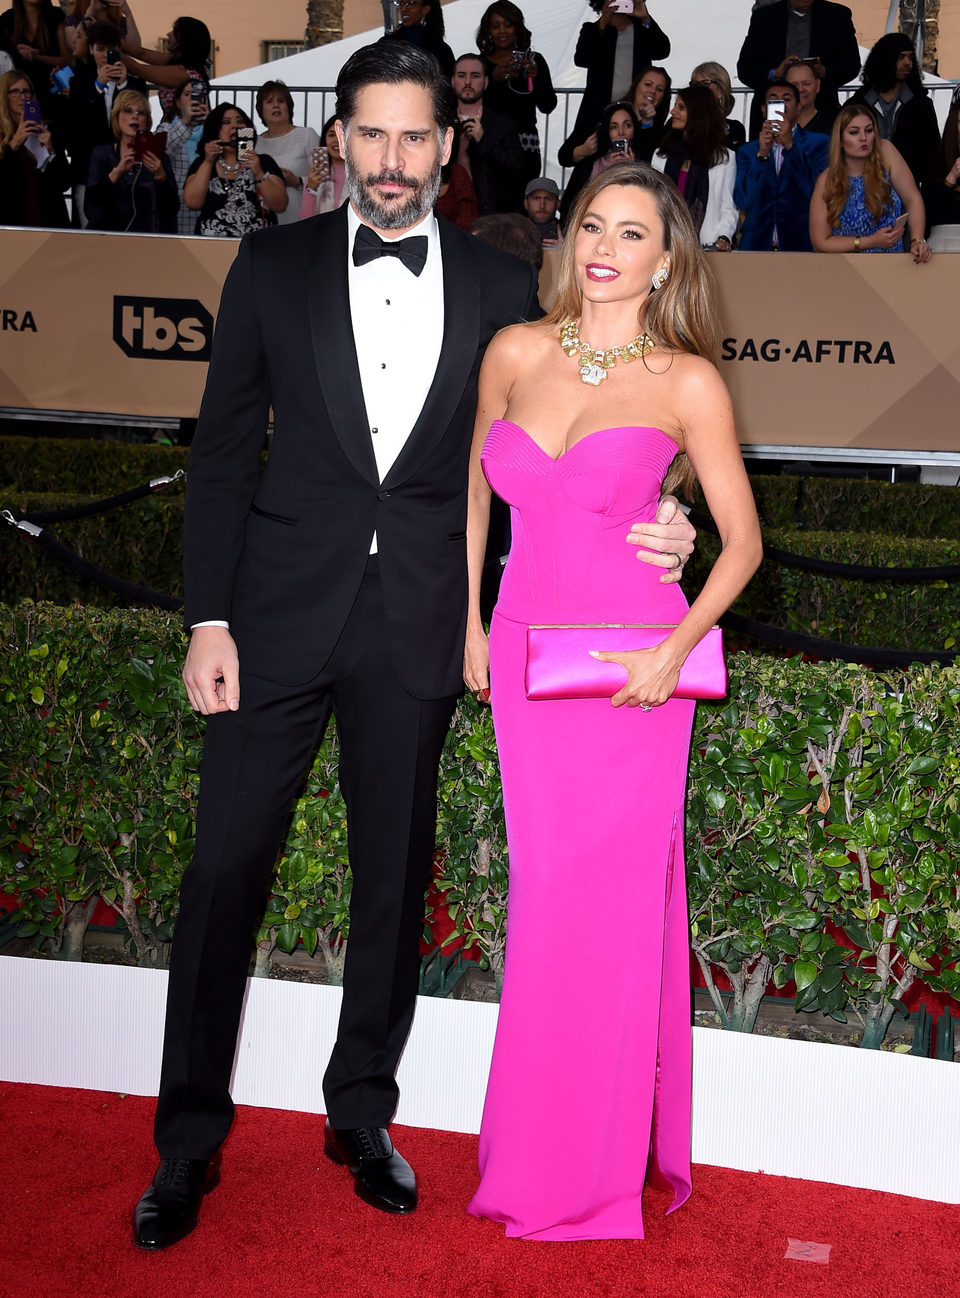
(820, 351)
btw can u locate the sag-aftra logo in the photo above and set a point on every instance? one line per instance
(162, 328)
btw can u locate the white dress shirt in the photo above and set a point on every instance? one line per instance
(397, 321)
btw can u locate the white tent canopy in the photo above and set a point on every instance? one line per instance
(698, 30)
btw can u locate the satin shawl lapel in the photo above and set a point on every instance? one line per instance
(333, 350)
(461, 338)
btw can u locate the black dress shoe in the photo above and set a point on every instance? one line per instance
(380, 1175)
(169, 1208)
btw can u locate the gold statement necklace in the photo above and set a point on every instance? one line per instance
(594, 363)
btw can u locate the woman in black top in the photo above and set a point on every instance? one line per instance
(518, 79)
(33, 32)
(124, 193)
(941, 190)
(33, 171)
(421, 24)
(232, 194)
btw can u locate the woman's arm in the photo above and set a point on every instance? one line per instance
(198, 179)
(710, 441)
(133, 31)
(493, 393)
(170, 75)
(901, 178)
(544, 95)
(139, 53)
(270, 183)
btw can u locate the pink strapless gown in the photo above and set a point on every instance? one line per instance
(589, 1090)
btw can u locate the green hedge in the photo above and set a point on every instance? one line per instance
(823, 818)
(896, 614)
(83, 466)
(95, 468)
(141, 542)
(847, 505)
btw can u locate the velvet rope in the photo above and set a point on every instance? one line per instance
(856, 571)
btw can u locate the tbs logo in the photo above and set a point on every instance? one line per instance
(162, 328)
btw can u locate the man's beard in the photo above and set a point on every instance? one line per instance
(398, 211)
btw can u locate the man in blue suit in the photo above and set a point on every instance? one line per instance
(776, 174)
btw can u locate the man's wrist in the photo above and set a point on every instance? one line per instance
(214, 622)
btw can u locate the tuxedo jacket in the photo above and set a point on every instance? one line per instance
(833, 40)
(783, 200)
(280, 554)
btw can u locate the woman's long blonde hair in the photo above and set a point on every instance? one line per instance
(8, 126)
(682, 315)
(877, 193)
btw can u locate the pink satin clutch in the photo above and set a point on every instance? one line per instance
(559, 665)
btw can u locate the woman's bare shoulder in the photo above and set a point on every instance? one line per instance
(516, 342)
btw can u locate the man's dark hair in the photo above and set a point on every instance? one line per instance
(212, 124)
(472, 55)
(395, 63)
(513, 233)
(880, 67)
(104, 33)
(782, 85)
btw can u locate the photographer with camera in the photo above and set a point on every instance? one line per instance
(518, 79)
(487, 144)
(129, 190)
(234, 189)
(776, 174)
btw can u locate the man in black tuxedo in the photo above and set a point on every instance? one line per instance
(488, 145)
(334, 581)
(789, 32)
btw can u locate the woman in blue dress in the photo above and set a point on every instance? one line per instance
(867, 199)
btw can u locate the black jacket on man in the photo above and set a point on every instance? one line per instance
(498, 165)
(833, 40)
(281, 556)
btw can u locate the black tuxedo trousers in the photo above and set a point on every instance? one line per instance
(253, 765)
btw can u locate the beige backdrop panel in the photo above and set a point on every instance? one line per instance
(64, 283)
(830, 351)
(838, 351)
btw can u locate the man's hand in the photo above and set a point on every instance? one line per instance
(780, 71)
(471, 128)
(668, 542)
(765, 140)
(212, 671)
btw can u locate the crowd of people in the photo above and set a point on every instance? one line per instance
(877, 176)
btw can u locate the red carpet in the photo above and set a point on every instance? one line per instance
(286, 1221)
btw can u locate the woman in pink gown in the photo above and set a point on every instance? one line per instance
(589, 1090)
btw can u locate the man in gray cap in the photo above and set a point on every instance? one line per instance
(541, 198)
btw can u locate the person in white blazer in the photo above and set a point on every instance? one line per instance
(695, 155)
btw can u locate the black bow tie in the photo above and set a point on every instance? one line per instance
(368, 246)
